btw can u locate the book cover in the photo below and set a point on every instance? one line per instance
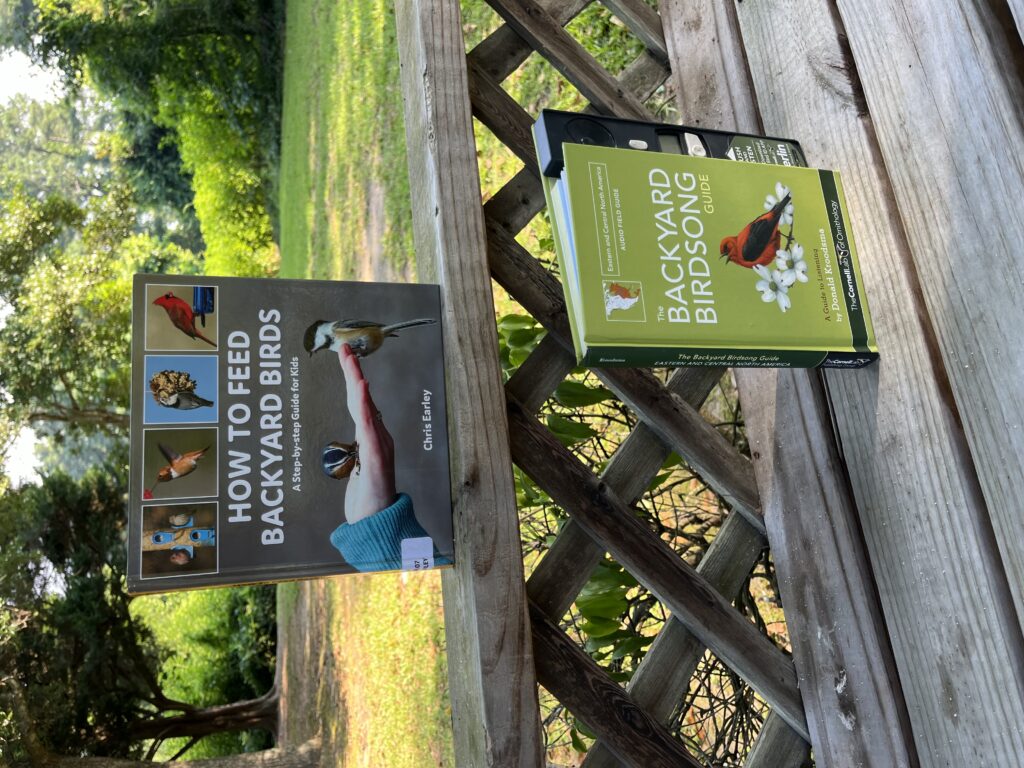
(265, 450)
(675, 260)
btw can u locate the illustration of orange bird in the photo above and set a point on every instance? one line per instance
(182, 316)
(622, 291)
(179, 464)
(758, 241)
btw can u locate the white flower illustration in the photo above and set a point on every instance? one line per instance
(772, 287)
(772, 200)
(793, 266)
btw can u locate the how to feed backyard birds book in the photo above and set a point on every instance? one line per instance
(285, 429)
(672, 260)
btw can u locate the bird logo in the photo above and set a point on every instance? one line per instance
(362, 336)
(339, 460)
(181, 314)
(179, 464)
(757, 243)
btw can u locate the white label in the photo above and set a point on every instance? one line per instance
(417, 554)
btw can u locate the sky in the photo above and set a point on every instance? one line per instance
(17, 75)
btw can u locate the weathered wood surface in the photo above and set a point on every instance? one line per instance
(688, 595)
(577, 681)
(644, 22)
(778, 746)
(855, 715)
(1017, 9)
(493, 687)
(945, 84)
(535, 25)
(921, 511)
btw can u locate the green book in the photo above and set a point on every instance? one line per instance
(673, 260)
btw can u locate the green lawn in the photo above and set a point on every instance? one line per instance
(344, 186)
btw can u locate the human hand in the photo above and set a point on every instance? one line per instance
(372, 487)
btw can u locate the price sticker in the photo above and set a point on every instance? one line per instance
(417, 554)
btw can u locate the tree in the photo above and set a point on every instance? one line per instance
(65, 277)
(84, 671)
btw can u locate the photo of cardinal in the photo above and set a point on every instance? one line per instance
(181, 318)
(757, 243)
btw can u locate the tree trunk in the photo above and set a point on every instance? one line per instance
(306, 755)
(238, 716)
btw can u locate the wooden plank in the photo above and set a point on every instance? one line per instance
(1017, 9)
(835, 624)
(535, 25)
(541, 372)
(503, 51)
(663, 676)
(853, 713)
(958, 185)
(644, 22)
(672, 419)
(639, 550)
(778, 746)
(580, 684)
(493, 687)
(920, 508)
(567, 566)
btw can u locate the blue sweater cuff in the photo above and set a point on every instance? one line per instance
(375, 542)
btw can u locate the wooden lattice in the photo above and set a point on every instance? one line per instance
(629, 722)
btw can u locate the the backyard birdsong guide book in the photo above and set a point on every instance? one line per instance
(672, 260)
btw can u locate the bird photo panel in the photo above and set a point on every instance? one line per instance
(307, 417)
(179, 463)
(179, 539)
(183, 388)
(181, 317)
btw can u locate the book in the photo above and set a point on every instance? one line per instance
(263, 452)
(672, 260)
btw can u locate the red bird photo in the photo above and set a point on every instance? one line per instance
(757, 243)
(181, 317)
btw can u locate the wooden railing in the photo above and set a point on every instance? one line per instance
(503, 635)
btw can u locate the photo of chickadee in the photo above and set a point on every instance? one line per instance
(364, 337)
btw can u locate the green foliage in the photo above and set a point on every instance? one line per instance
(206, 73)
(66, 272)
(81, 663)
(221, 647)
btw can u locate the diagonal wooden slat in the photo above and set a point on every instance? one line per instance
(561, 574)
(501, 53)
(522, 197)
(691, 599)
(578, 682)
(664, 674)
(508, 121)
(778, 746)
(644, 22)
(539, 375)
(676, 422)
(545, 34)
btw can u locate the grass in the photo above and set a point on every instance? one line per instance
(344, 185)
